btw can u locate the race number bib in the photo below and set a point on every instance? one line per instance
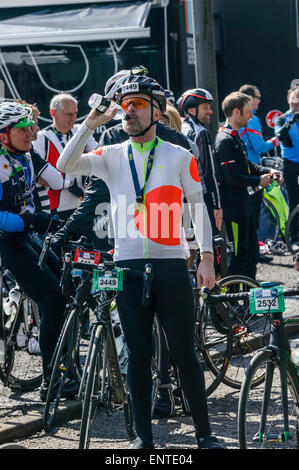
(266, 300)
(107, 280)
(87, 257)
(130, 87)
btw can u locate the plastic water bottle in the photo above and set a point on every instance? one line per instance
(11, 305)
(22, 339)
(101, 104)
(33, 343)
(122, 350)
(294, 343)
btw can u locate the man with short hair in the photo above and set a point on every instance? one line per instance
(49, 144)
(236, 175)
(256, 145)
(251, 134)
(142, 173)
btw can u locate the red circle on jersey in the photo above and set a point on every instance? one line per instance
(161, 220)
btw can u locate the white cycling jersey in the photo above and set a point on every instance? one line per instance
(157, 231)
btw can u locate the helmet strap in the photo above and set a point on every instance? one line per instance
(9, 145)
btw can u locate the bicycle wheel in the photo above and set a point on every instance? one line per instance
(250, 332)
(213, 344)
(65, 367)
(23, 356)
(269, 224)
(95, 385)
(261, 427)
(292, 230)
(156, 361)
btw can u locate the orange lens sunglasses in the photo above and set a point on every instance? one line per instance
(139, 103)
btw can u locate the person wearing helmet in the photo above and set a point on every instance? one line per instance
(20, 247)
(144, 173)
(170, 97)
(195, 106)
(81, 221)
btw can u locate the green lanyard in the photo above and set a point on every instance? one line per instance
(140, 192)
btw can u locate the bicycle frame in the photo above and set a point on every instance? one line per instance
(280, 347)
(110, 358)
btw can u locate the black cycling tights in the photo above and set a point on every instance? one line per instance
(20, 255)
(172, 300)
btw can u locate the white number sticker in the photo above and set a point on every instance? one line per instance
(261, 304)
(108, 282)
(130, 87)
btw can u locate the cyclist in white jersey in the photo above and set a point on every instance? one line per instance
(147, 176)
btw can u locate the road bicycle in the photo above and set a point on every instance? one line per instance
(268, 414)
(227, 334)
(20, 358)
(102, 383)
(69, 354)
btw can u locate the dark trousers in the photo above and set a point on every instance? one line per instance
(20, 254)
(291, 178)
(172, 300)
(240, 222)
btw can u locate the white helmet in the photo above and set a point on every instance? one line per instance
(15, 115)
(114, 82)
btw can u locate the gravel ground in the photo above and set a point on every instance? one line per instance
(174, 433)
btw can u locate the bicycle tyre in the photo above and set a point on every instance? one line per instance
(215, 347)
(91, 393)
(251, 399)
(245, 343)
(293, 248)
(66, 348)
(25, 367)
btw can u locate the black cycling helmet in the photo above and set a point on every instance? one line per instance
(170, 96)
(193, 98)
(145, 85)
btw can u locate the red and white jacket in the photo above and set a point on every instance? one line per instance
(49, 146)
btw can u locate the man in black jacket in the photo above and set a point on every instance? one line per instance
(237, 175)
(195, 105)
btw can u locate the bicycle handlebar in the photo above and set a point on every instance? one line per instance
(206, 294)
(71, 245)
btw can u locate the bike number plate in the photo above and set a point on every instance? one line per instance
(87, 257)
(266, 300)
(107, 280)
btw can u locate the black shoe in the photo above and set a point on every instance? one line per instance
(264, 259)
(70, 389)
(209, 442)
(165, 403)
(139, 444)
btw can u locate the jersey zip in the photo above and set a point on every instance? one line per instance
(144, 202)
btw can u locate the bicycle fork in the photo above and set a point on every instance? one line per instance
(284, 435)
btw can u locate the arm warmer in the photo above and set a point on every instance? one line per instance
(71, 159)
(201, 222)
